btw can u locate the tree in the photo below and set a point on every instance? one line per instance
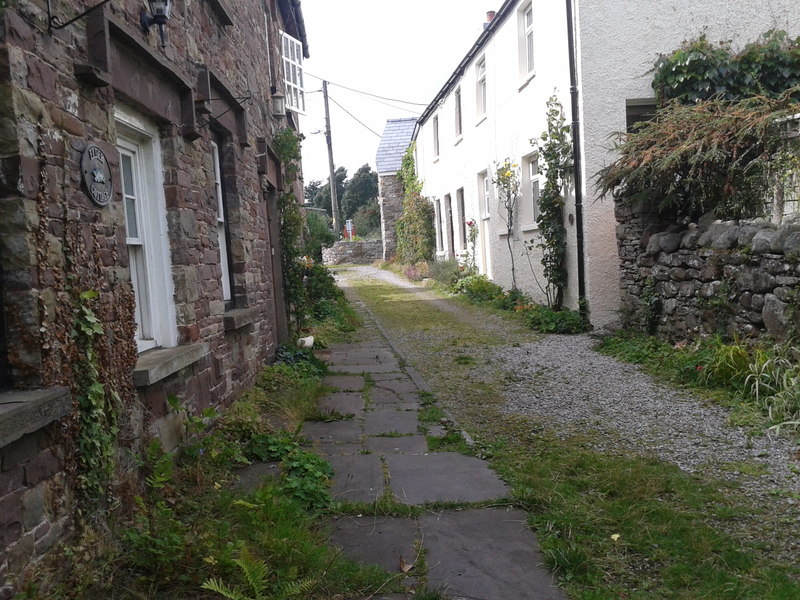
(359, 191)
(367, 220)
(323, 197)
(312, 189)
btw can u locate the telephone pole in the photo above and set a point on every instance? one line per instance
(332, 181)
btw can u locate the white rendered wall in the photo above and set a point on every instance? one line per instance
(516, 112)
(619, 42)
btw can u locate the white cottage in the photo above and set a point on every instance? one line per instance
(494, 103)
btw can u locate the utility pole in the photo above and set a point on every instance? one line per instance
(334, 198)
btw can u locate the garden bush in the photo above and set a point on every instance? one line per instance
(546, 320)
(478, 288)
(447, 272)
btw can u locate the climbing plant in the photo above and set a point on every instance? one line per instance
(555, 154)
(98, 406)
(506, 179)
(287, 148)
(416, 235)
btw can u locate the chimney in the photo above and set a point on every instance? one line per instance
(489, 18)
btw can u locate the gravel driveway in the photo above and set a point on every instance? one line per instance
(567, 386)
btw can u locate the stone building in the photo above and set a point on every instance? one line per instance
(139, 184)
(395, 141)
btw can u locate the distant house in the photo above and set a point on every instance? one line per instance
(139, 181)
(494, 103)
(395, 141)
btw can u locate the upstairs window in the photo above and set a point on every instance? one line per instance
(480, 87)
(458, 112)
(436, 136)
(292, 53)
(526, 40)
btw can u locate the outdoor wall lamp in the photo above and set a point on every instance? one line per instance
(278, 105)
(159, 14)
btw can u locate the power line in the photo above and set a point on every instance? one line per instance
(366, 93)
(332, 99)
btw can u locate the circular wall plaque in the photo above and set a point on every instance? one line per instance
(96, 175)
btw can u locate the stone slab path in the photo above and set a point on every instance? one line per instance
(378, 448)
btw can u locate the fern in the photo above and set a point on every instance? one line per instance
(256, 573)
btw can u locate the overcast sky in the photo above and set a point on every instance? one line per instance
(403, 50)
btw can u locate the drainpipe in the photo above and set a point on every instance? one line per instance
(576, 150)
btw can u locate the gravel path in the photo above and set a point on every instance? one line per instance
(567, 386)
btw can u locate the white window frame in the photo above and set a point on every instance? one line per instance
(458, 114)
(531, 189)
(526, 42)
(435, 126)
(480, 87)
(439, 234)
(485, 194)
(462, 218)
(222, 236)
(148, 250)
(292, 54)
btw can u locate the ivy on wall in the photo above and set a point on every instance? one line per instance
(700, 70)
(287, 148)
(416, 234)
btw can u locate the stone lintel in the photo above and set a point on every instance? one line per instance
(155, 365)
(238, 318)
(23, 412)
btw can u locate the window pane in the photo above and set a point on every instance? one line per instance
(127, 175)
(131, 226)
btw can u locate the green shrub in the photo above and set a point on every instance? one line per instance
(447, 272)
(318, 235)
(510, 300)
(546, 320)
(478, 288)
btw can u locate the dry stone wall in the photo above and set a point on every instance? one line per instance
(353, 253)
(735, 277)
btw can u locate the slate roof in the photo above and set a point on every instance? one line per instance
(395, 140)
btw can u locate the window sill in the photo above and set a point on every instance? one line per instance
(529, 227)
(436, 159)
(239, 317)
(530, 77)
(458, 140)
(23, 412)
(158, 364)
(481, 119)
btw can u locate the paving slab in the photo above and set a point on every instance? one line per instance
(389, 376)
(395, 406)
(345, 383)
(348, 430)
(398, 386)
(387, 421)
(376, 540)
(446, 476)
(344, 403)
(342, 448)
(486, 554)
(252, 476)
(379, 396)
(407, 444)
(362, 368)
(356, 478)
